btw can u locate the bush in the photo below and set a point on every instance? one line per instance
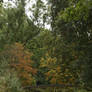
(9, 81)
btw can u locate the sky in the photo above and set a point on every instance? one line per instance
(28, 5)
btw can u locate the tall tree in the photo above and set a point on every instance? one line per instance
(73, 24)
(17, 27)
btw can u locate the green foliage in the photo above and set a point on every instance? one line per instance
(8, 78)
(61, 55)
(16, 26)
(73, 23)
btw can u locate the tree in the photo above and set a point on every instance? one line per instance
(16, 26)
(73, 24)
(19, 60)
(54, 72)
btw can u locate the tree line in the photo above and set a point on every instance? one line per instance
(31, 54)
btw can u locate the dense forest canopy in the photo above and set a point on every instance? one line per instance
(32, 54)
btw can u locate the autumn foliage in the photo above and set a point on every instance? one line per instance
(20, 61)
(56, 73)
